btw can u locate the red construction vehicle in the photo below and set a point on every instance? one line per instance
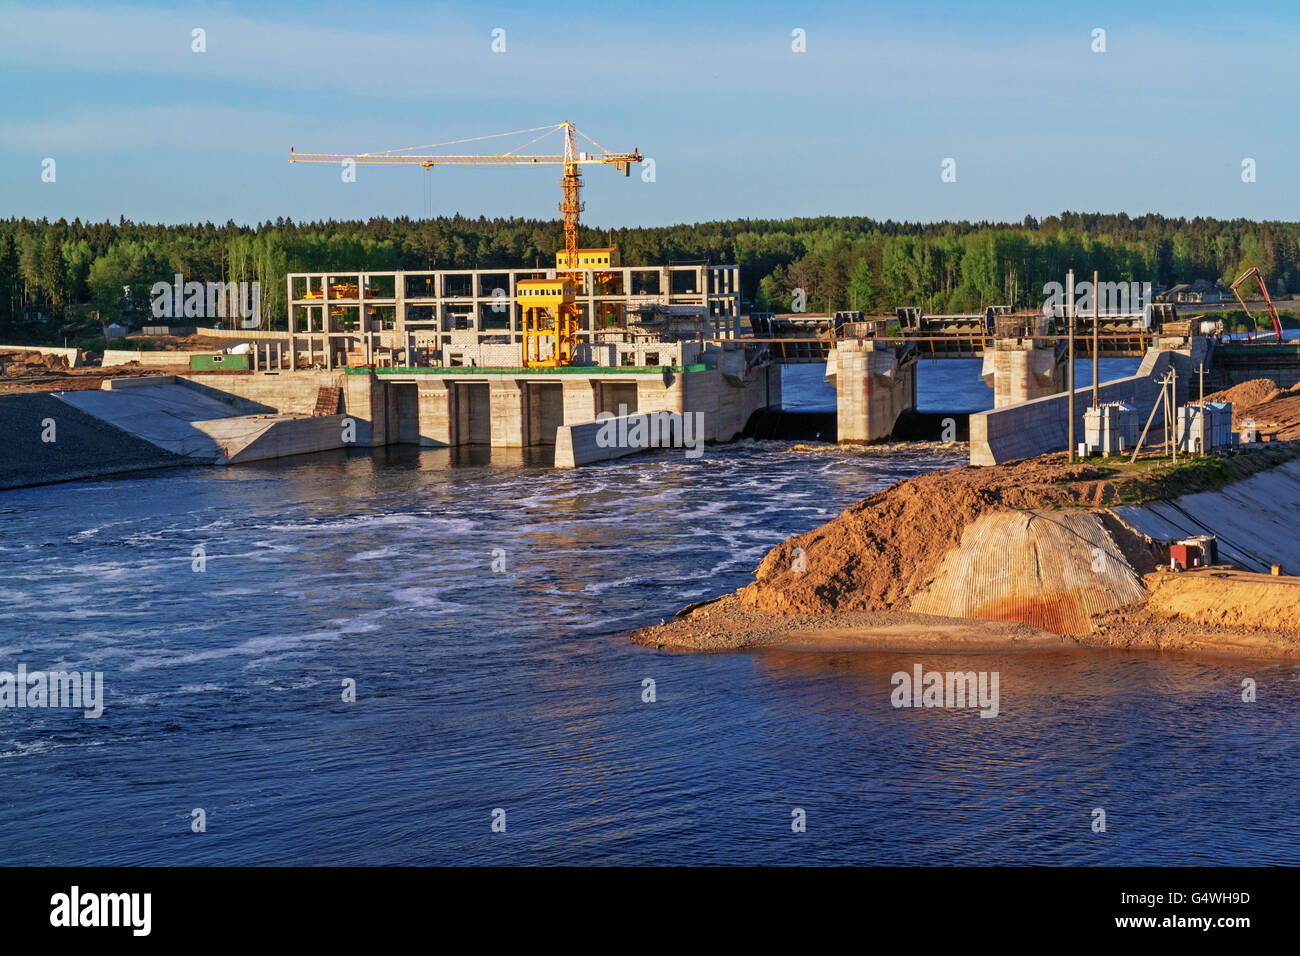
(1250, 273)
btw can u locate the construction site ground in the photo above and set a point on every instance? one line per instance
(857, 581)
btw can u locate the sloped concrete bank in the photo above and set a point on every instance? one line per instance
(203, 425)
(149, 422)
(1034, 555)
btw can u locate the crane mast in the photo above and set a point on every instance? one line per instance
(550, 312)
(571, 204)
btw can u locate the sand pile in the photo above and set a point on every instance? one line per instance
(1226, 598)
(1275, 411)
(1246, 396)
(884, 550)
(1254, 392)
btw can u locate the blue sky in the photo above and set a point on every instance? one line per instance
(737, 123)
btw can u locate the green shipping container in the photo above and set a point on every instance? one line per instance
(218, 363)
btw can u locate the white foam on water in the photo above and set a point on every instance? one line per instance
(425, 599)
(377, 554)
(18, 748)
(600, 586)
(254, 647)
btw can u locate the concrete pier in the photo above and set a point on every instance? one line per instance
(1020, 370)
(875, 382)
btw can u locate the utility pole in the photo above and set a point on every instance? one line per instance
(1069, 321)
(1096, 339)
(1201, 412)
(1155, 407)
(1173, 407)
(1164, 416)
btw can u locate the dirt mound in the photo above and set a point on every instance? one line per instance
(1226, 598)
(23, 359)
(35, 360)
(1243, 396)
(884, 550)
(1275, 411)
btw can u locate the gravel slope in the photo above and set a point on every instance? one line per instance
(84, 446)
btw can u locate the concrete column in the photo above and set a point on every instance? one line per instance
(292, 322)
(362, 324)
(437, 414)
(364, 400)
(399, 306)
(579, 401)
(514, 312)
(1019, 372)
(653, 394)
(326, 323)
(508, 414)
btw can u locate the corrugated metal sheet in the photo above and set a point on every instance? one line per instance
(1049, 569)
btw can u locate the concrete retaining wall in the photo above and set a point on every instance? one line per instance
(159, 358)
(260, 439)
(163, 414)
(1254, 519)
(137, 381)
(617, 437)
(727, 408)
(1040, 426)
(292, 393)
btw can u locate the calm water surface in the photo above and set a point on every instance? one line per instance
(479, 689)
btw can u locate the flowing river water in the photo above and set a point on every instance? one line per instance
(478, 601)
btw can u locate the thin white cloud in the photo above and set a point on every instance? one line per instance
(447, 55)
(225, 129)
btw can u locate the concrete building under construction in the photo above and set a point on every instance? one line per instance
(627, 315)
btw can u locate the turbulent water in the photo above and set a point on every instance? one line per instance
(478, 601)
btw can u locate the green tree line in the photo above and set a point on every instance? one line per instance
(68, 272)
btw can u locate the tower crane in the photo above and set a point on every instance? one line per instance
(550, 306)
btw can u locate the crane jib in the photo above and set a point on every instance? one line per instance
(563, 333)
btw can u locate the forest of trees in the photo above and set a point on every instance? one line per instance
(59, 274)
